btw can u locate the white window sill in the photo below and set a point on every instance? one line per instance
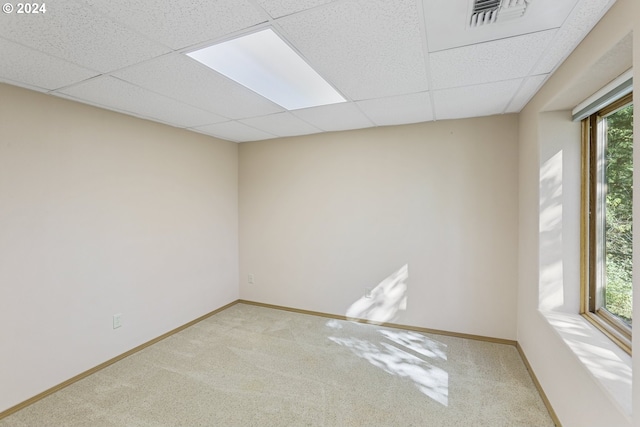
(607, 363)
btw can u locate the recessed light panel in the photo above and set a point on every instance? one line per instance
(264, 63)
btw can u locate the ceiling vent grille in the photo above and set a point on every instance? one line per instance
(491, 11)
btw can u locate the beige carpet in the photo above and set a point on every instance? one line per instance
(253, 366)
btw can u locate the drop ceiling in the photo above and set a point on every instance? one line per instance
(394, 61)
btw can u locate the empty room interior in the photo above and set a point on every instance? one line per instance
(423, 187)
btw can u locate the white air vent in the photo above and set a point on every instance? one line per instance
(491, 11)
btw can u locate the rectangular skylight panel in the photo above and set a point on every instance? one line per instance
(264, 63)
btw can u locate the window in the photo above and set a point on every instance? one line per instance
(607, 219)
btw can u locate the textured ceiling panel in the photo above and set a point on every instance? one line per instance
(335, 117)
(19, 83)
(281, 124)
(234, 131)
(182, 23)
(367, 48)
(398, 110)
(394, 60)
(79, 35)
(111, 93)
(488, 62)
(526, 92)
(280, 8)
(38, 69)
(184, 79)
(579, 23)
(447, 22)
(474, 101)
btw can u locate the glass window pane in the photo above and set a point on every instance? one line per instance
(618, 206)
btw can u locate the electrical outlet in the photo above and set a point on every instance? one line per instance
(367, 292)
(251, 279)
(117, 320)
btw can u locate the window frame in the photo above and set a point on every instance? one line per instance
(592, 290)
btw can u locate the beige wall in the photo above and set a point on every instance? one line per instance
(425, 214)
(102, 213)
(586, 378)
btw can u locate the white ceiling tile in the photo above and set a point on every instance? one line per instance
(184, 79)
(80, 35)
(182, 23)
(474, 101)
(280, 8)
(582, 19)
(526, 92)
(21, 84)
(370, 50)
(111, 93)
(335, 117)
(366, 48)
(488, 62)
(397, 110)
(34, 68)
(447, 22)
(234, 131)
(281, 124)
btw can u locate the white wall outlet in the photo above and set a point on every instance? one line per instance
(117, 320)
(251, 279)
(367, 292)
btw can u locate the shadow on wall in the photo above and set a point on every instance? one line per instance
(559, 212)
(385, 301)
(405, 354)
(606, 362)
(551, 294)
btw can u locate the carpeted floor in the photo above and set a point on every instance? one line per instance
(254, 366)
